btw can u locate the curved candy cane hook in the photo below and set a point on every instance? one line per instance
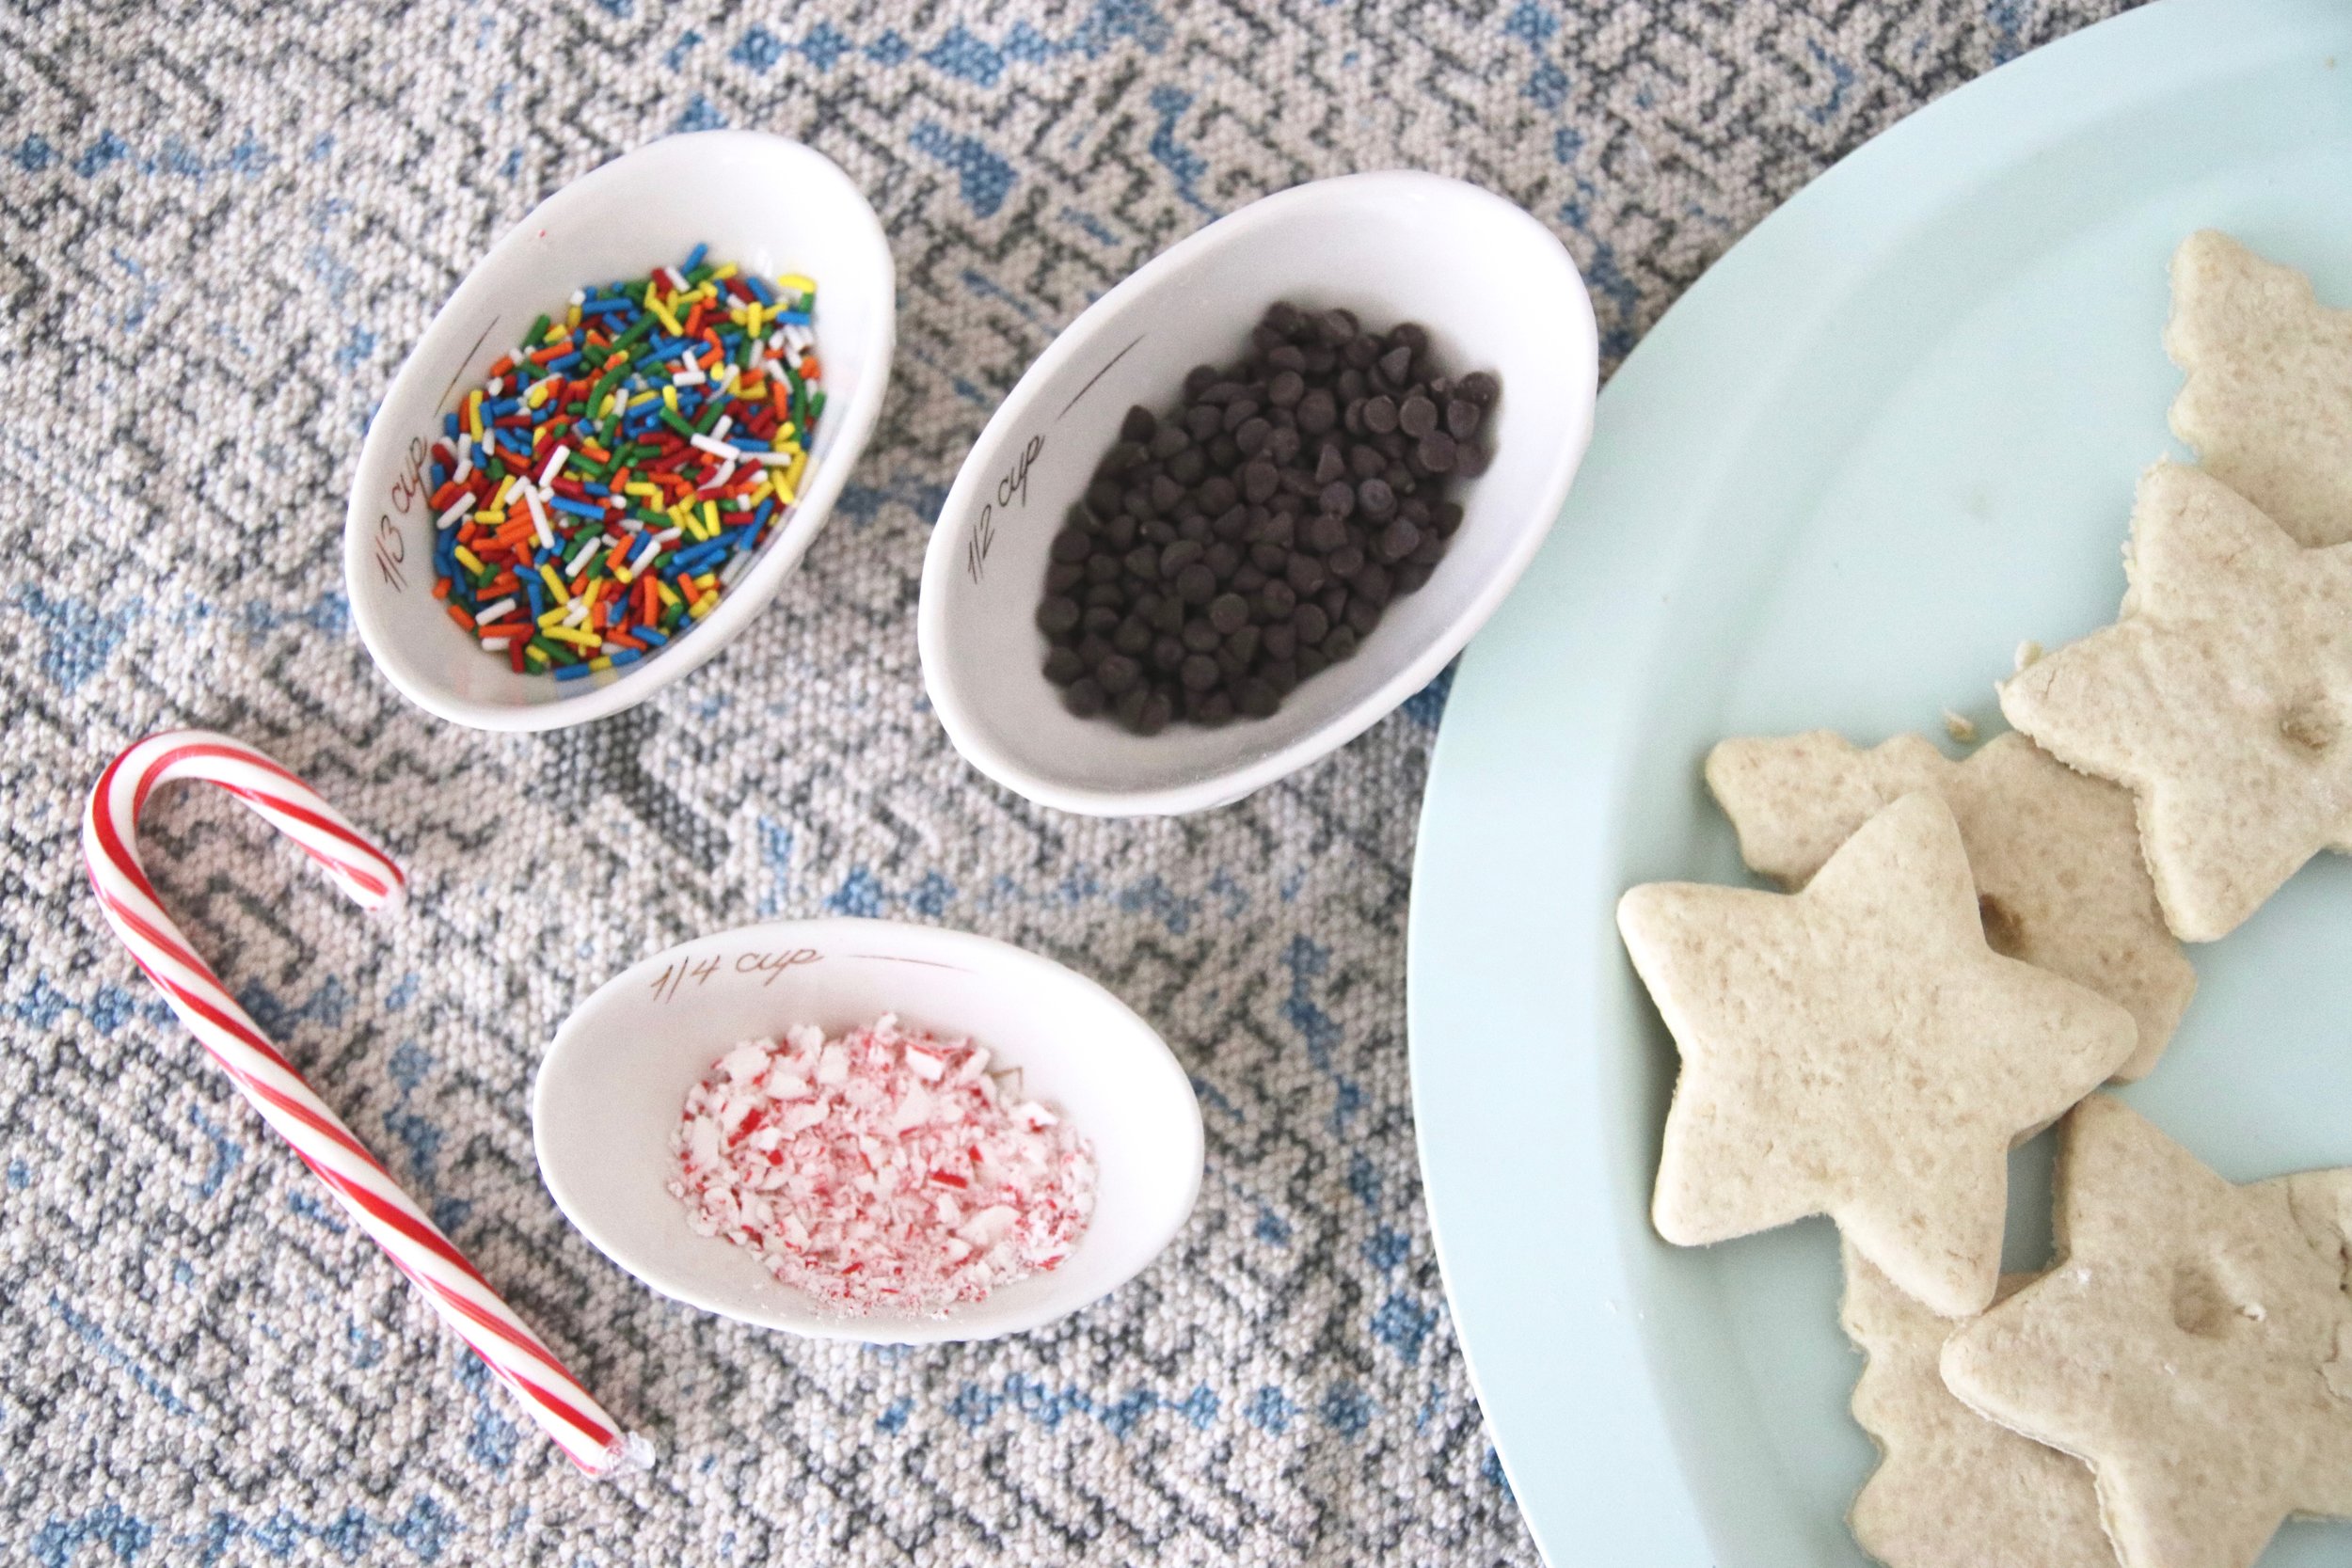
(464, 1299)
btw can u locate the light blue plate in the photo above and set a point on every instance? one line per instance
(1890, 435)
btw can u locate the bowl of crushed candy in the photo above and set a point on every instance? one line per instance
(769, 205)
(607, 1109)
(1495, 291)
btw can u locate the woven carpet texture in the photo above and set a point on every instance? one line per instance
(221, 228)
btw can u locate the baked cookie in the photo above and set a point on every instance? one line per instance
(2267, 398)
(2056, 854)
(1856, 1050)
(1953, 1490)
(2222, 699)
(2193, 1343)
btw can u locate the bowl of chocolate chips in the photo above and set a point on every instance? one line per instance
(1257, 494)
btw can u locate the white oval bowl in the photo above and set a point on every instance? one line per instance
(771, 204)
(1497, 292)
(614, 1083)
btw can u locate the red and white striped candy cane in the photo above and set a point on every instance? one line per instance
(109, 843)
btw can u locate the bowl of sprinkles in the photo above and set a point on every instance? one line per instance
(620, 436)
(865, 1129)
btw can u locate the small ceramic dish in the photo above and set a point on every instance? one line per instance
(771, 205)
(614, 1082)
(1497, 292)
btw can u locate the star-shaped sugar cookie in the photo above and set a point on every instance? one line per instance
(1856, 1050)
(2266, 401)
(1953, 1490)
(2193, 1343)
(2222, 699)
(2056, 854)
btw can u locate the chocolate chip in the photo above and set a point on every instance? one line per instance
(1259, 481)
(1324, 533)
(1396, 541)
(1152, 716)
(1117, 674)
(1063, 665)
(1072, 544)
(1229, 613)
(1311, 623)
(1417, 416)
(1438, 453)
(1084, 697)
(1380, 415)
(1317, 412)
(1397, 365)
(1375, 498)
(1480, 387)
(1461, 419)
(1285, 388)
(1197, 584)
(1200, 672)
(1337, 499)
(1058, 616)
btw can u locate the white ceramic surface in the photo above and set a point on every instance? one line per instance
(614, 1080)
(1890, 436)
(1497, 292)
(771, 205)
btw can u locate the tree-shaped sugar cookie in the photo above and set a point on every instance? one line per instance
(1856, 1050)
(2056, 854)
(1953, 1490)
(2266, 402)
(2193, 1342)
(2222, 699)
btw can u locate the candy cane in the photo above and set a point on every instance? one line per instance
(464, 1299)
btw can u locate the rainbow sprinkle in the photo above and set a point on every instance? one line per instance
(615, 475)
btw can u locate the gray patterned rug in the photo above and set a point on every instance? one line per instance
(222, 227)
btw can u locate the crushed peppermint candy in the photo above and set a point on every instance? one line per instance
(885, 1169)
